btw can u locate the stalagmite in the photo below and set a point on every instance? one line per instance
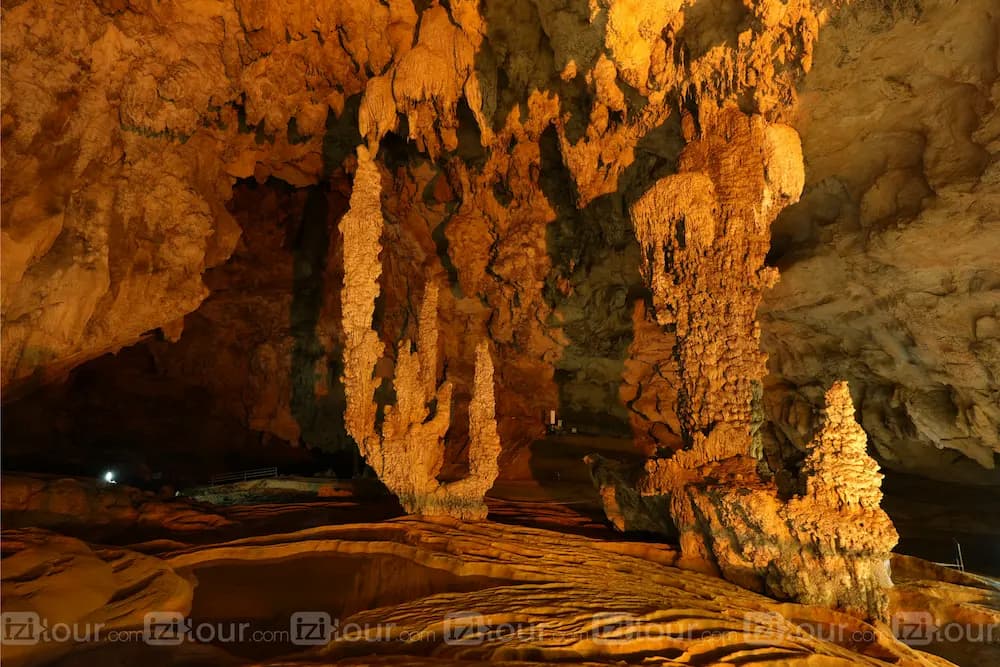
(408, 453)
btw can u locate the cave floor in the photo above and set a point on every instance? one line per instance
(533, 578)
(424, 592)
(552, 490)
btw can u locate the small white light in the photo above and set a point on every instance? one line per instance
(109, 477)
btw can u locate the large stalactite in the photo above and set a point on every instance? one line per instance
(407, 450)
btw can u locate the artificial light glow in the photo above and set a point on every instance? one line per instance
(109, 477)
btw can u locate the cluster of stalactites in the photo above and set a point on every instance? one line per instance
(408, 453)
(642, 46)
(361, 228)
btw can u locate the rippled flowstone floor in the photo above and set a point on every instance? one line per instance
(413, 591)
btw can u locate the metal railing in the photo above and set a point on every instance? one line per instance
(959, 563)
(243, 476)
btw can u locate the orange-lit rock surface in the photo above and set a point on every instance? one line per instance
(828, 545)
(704, 234)
(952, 614)
(66, 502)
(126, 126)
(406, 450)
(532, 596)
(94, 589)
(150, 113)
(418, 227)
(889, 271)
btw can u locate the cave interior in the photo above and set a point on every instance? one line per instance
(398, 296)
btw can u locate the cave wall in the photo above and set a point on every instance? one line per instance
(248, 377)
(146, 143)
(890, 275)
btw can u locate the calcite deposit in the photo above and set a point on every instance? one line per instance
(204, 97)
(889, 268)
(95, 590)
(828, 545)
(307, 234)
(406, 450)
(704, 234)
(149, 114)
(519, 595)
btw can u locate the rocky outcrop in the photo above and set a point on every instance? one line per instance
(189, 101)
(53, 584)
(626, 507)
(555, 607)
(828, 545)
(929, 603)
(510, 594)
(889, 272)
(649, 384)
(704, 234)
(407, 449)
(64, 502)
(512, 139)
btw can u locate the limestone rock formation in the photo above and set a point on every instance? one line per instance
(166, 108)
(61, 503)
(407, 450)
(889, 268)
(551, 603)
(649, 384)
(828, 546)
(939, 599)
(581, 193)
(705, 233)
(523, 595)
(361, 228)
(93, 589)
(626, 507)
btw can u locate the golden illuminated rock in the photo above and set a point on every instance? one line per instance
(705, 233)
(407, 451)
(552, 206)
(126, 123)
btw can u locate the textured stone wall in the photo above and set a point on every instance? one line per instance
(511, 139)
(890, 274)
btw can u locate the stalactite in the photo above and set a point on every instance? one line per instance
(408, 454)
